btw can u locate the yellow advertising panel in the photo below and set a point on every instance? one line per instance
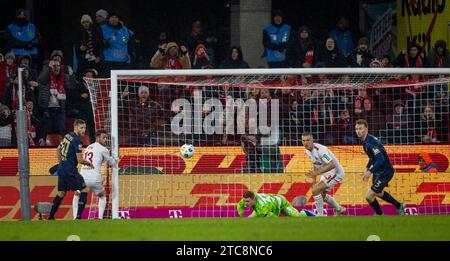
(422, 21)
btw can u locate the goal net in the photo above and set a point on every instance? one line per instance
(246, 128)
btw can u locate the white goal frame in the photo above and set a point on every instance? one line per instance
(116, 74)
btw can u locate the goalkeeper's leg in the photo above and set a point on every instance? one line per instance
(290, 211)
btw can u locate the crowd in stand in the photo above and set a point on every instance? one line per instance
(54, 92)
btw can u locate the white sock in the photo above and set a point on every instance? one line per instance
(101, 207)
(330, 200)
(75, 200)
(319, 204)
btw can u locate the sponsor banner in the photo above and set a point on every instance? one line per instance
(229, 160)
(216, 195)
(230, 211)
(422, 21)
(383, 28)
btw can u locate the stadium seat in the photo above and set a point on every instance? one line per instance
(53, 140)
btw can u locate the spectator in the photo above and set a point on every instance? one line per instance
(441, 99)
(295, 124)
(8, 72)
(361, 57)
(25, 60)
(201, 58)
(6, 126)
(145, 118)
(54, 85)
(57, 56)
(276, 37)
(428, 126)
(302, 50)
(372, 116)
(386, 61)
(158, 43)
(12, 91)
(171, 57)
(398, 125)
(359, 102)
(343, 36)
(212, 48)
(115, 39)
(101, 17)
(86, 48)
(330, 56)
(34, 123)
(235, 60)
(439, 56)
(345, 131)
(412, 58)
(22, 37)
(323, 118)
(194, 38)
(271, 161)
(426, 164)
(79, 104)
(252, 152)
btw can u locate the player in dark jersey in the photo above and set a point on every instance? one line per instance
(379, 166)
(69, 155)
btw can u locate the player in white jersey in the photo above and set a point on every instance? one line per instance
(327, 166)
(96, 153)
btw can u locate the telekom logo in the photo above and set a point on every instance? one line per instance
(175, 213)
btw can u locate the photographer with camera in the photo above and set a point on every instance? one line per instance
(171, 57)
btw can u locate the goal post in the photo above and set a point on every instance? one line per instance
(205, 191)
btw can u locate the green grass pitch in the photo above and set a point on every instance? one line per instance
(388, 228)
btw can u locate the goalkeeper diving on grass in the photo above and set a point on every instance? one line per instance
(268, 205)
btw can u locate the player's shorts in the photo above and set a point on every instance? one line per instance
(71, 182)
(331, 178)
(379, 182)
(96, 186)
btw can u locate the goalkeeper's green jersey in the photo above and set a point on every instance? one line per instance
(267, 205)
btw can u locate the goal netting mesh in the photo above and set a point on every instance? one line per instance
(246, 127)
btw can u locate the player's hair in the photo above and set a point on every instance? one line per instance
(307, 134)
(362, 122)
(78, 122)
(100, 132)
(249, 194)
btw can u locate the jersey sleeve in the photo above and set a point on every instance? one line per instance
(325, 155)
(78, 146)
(378, 158)
(109, 159)
(240, 207)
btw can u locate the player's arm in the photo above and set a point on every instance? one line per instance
(82, 161)
(240, 208)
(325, 157)
(320, 171)
(369, 164)
(378, 160)
(111, 161)
(58, 153)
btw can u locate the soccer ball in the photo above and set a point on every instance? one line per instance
(187, 150)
